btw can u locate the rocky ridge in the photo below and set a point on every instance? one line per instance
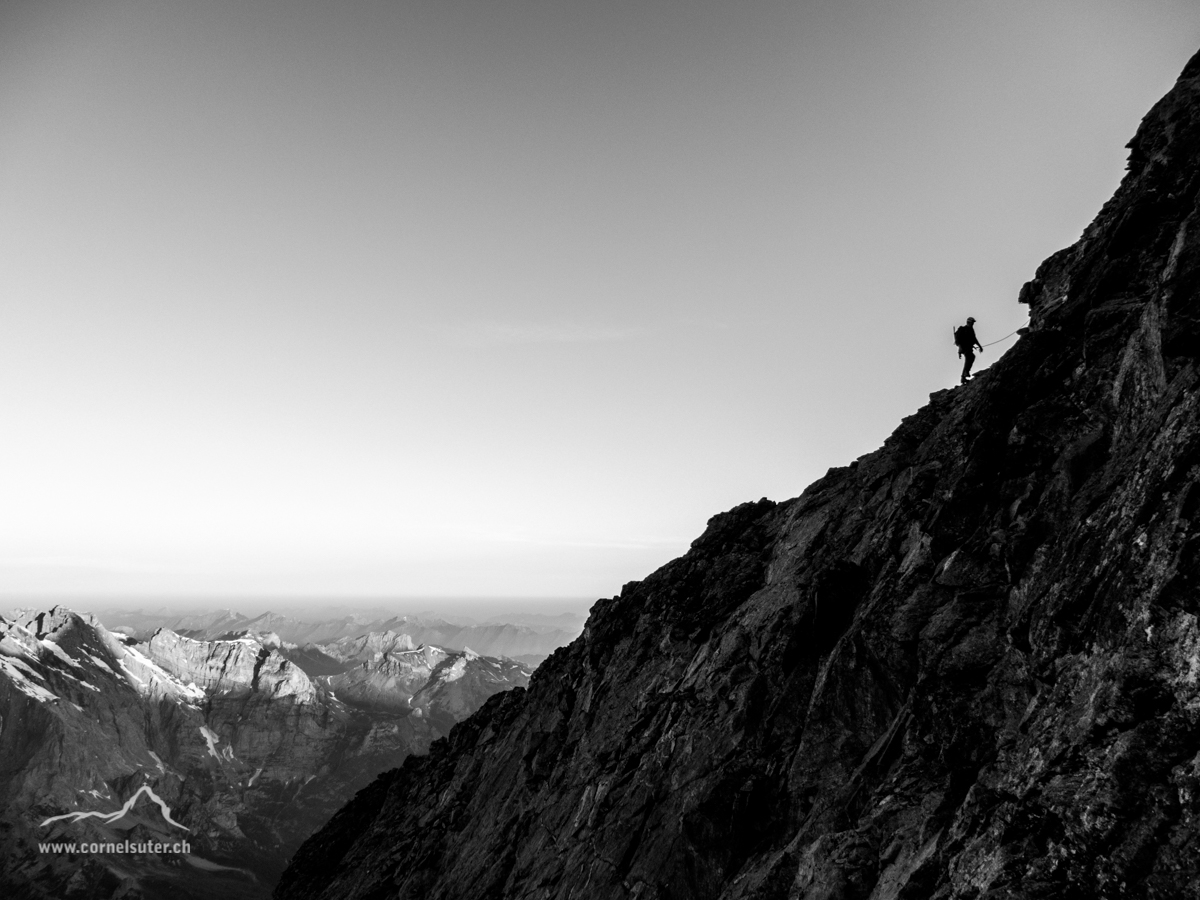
(965, 666)
(387, 671)
(235, 667)
(390, 678)
(459, 684)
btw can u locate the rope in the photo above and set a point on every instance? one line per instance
(1005, 338)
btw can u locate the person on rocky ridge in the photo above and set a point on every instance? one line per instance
(964, 337)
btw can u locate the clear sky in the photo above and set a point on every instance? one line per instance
(507, 297)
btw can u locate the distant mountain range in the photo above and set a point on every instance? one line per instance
(529, 643)
(241, 746)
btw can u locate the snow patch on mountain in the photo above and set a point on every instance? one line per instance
(19, 672)
(213, 739)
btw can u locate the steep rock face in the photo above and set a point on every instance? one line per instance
(387, 679)
(60, 673)
(235, 667)
(441, 687)
(965, 666)
(368, 647)
(461, 683)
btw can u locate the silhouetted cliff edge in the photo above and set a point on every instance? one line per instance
(967, 665)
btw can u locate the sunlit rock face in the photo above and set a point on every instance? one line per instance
(245, 752)
(965, 666)
(461, 683)
(442, 687)
(230, 668)
(381, 669)
(369, 647)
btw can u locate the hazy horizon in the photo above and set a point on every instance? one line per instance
(314, 609)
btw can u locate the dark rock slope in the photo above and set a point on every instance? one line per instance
(967, 665)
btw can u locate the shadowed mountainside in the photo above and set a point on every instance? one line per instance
(966, 665)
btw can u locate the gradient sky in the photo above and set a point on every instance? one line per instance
(507, 298)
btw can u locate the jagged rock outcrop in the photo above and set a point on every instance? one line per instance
(231, 668)
(461, 683)
(388, 670)
(443, 688)
(369, 647)
(389, 678)
(965, 666)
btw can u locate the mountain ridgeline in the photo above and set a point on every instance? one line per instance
(967, 665)
(521, 642)
(227, 745)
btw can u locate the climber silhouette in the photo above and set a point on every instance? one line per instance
(964, 337)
